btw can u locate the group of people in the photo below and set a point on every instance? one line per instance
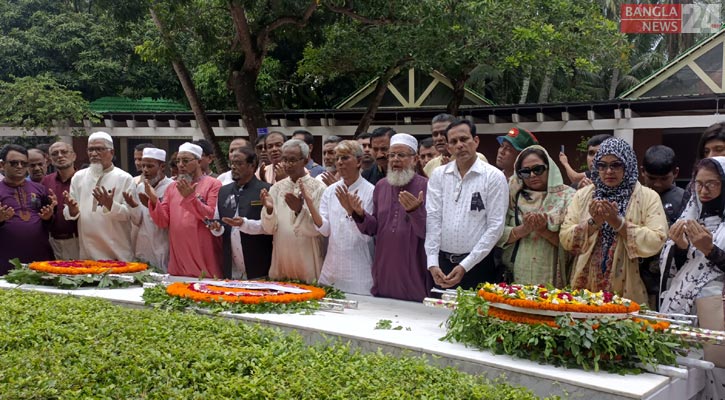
(377, 217)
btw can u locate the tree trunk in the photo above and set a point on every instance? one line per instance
(244, 85)
(191, 95)
(378, 93)
(459, 91)
(613, 83)
(546, 87)
(525, 84)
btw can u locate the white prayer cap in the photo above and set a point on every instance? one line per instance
(191, 148)
(156, 154)
(406, 139)
(101, 136)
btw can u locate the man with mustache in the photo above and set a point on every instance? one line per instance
(380, 143)
(367, 160)
(95, 200)
(398, 224)
(152, 242)
(186, 209)
(438, 126)
(63, 233)
(36, 165)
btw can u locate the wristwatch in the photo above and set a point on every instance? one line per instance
(592, 222)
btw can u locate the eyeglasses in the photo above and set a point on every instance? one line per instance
(290, 160)
(709, 185)
(185, 161)
(59, 153)
(97, 149)
(17, 163)
(392, 156)
(614, 166)
(525, 173)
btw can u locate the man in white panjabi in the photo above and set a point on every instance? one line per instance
(297, 248)
(349, 260)
(96, 201)
(152, 242)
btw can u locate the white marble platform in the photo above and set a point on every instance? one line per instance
(422, 329)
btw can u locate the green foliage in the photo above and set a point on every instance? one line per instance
(62, 347)
(607, 344)
(21, 274)
(41, 103)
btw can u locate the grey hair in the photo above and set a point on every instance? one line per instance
(304, 148)
(442, 118)
(332, 139)
(350, 146)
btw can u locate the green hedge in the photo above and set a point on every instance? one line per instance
(63, 347)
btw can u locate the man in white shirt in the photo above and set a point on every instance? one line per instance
(151, 242)
(226, 177)
(96, 201)
(349, 259)
(466, 208)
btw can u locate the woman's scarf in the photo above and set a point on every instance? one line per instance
(553, 202)
(697, 271)
(620, 194)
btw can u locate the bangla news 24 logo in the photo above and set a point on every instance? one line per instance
(670, 18)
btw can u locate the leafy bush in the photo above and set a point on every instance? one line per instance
(62, 347)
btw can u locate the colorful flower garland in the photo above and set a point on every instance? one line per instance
(541, 298)
(209, 293)
(81, 267)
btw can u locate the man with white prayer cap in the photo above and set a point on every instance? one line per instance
(152, 242)
(398, 222)
(187, 208)
(96, 201)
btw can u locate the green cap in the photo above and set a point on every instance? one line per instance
(520, 138)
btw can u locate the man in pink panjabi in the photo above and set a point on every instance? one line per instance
(185, 210)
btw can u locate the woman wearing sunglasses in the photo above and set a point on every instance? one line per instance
(538, 203)
(612, 223)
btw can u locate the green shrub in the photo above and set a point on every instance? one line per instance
(63, 347)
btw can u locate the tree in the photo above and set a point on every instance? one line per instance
(40, 102)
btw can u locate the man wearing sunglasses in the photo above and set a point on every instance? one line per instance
(466, 209)
(25, 208)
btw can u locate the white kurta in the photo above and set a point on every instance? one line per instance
(103, 234)
(349, 260)
(152, 242)
(297, 250)
(250, 227)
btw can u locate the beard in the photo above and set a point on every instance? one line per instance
(330, 168)
(400, 178)
(155, 180)
(184, 177)
(96, 169)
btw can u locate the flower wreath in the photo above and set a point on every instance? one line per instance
(541, 298)
(211, 293)
(80, 267)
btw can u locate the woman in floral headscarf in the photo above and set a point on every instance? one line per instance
(538, 202)
(612, 223)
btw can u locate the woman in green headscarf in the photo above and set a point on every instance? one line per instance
(538, 202)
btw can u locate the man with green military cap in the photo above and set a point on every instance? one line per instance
(511, 145)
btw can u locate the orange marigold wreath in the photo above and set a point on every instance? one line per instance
(209, 293)
(80, 267)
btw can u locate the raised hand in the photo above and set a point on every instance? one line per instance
(143, 199)
(6, 212)
(71, 203)
(267, 201)
(128, 197)
(185, 188)
(677, 234)
(584, 182)
(445, 159)
(236, 221)
(279, 172)
(538, 221)
(328, 178)
(410, 202)
(356, 203)
(104, 197)
(294, 202)
(563, 159)
(46, 213)
(150, 192)
(214, 225)
(700, 237)
(611, 213)
(306, 196)
(595, 211)
(263, 172)
(344, 199)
